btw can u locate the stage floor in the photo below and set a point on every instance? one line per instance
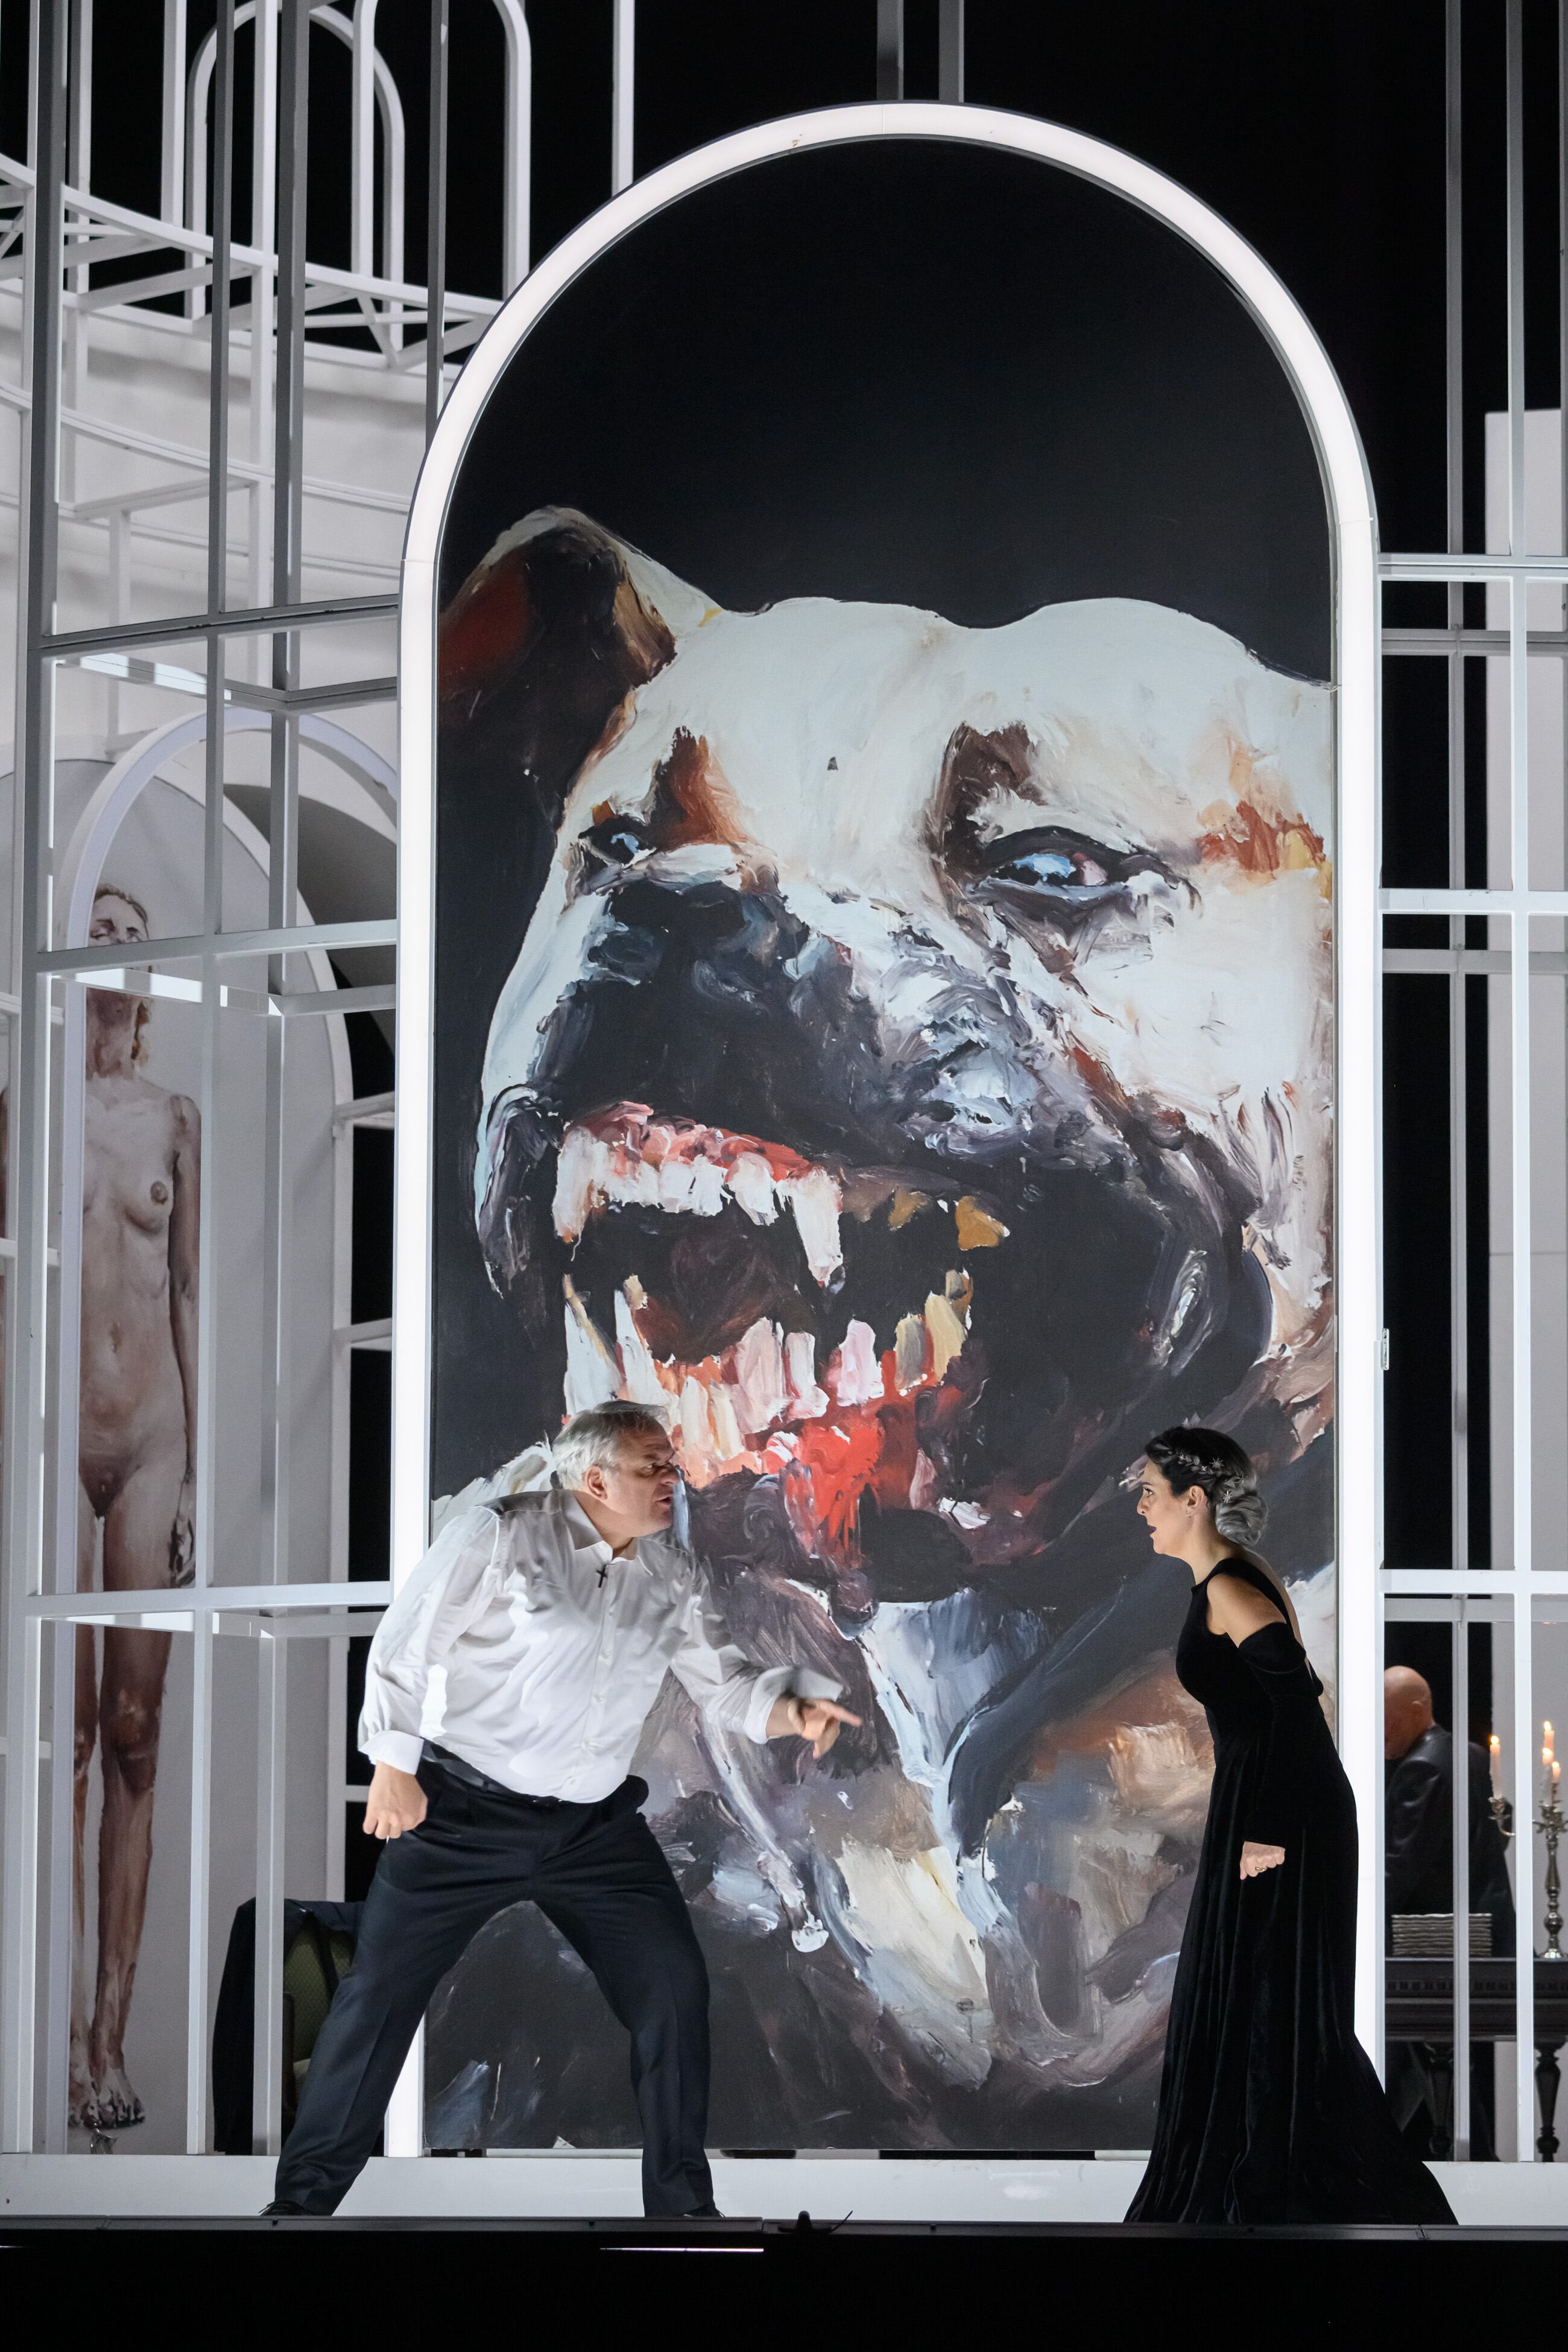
(558, 2185)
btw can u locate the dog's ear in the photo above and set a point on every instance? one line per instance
(542, 645)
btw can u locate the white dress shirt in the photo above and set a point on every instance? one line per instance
(528, 1647)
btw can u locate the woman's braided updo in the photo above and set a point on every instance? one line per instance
(1208, 1459)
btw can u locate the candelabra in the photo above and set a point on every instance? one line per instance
(1552, 1825)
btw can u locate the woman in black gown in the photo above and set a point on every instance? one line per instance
(1269, 2109)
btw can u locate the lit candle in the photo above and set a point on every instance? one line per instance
(1495, 1744)
(1548, 1740)
(1556, 1774)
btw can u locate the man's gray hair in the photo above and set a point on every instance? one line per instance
(598, 1436)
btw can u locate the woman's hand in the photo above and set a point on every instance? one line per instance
(1257, 1859)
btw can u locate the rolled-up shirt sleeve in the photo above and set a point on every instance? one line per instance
(443, 1596)
(729, 1689)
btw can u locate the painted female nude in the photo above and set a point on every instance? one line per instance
(141, 1191)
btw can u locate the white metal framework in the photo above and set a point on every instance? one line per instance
(1526, 1580)
(90, 631)
(271, 609)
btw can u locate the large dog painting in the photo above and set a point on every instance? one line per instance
(916, 1080)
(899, 1046)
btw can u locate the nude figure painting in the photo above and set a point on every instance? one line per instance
(141, 1206)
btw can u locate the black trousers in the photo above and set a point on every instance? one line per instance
(595, 1870)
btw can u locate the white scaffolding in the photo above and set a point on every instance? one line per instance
(259, 651)
(57, 235)
(1526, 1577)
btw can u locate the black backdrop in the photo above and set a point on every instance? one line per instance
(915, 371)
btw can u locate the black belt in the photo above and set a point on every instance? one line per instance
(461, 1769)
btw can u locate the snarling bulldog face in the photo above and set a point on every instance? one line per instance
(916, 1074)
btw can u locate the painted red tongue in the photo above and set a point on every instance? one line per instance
(827, 1464)
(869, 1449)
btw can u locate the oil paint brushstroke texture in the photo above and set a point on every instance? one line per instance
(916, 1079)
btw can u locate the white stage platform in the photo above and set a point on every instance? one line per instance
(576, 2187)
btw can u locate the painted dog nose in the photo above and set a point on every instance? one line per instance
(717, 1005)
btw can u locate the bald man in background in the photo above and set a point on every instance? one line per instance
(1418, 1830)
(1418, 1815)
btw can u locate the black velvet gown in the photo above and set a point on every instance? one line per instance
(1269, 2109)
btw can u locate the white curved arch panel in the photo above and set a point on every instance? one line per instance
(1353, 528)
(81, 865)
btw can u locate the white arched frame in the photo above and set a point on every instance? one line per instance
(379, 97)
(81, 871)
(1353, 532)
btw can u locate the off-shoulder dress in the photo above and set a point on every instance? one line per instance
(1269, 2109)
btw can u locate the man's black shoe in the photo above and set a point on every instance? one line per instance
(709, 2212)
(284, 2208)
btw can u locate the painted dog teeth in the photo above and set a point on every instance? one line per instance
(696, 1437)
(760, 1389)
(592, 1373)
(640, 1383)
(947, 1322)
(807, 1402)
(751, 1183)
(909, 1353)
(750, 1407)
(728, 1442)
(626, 1158)
(854, 1373)
(814, 1202)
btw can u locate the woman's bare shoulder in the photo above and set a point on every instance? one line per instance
(1237, 1608)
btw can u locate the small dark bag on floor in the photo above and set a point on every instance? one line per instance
(318, 1940)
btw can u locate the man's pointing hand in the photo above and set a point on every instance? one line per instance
(816, 1719)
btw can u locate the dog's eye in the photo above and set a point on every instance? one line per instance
(617, 840)
(1063, 873)
(1061, 869)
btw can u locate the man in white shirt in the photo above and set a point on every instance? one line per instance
(505, 1693)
